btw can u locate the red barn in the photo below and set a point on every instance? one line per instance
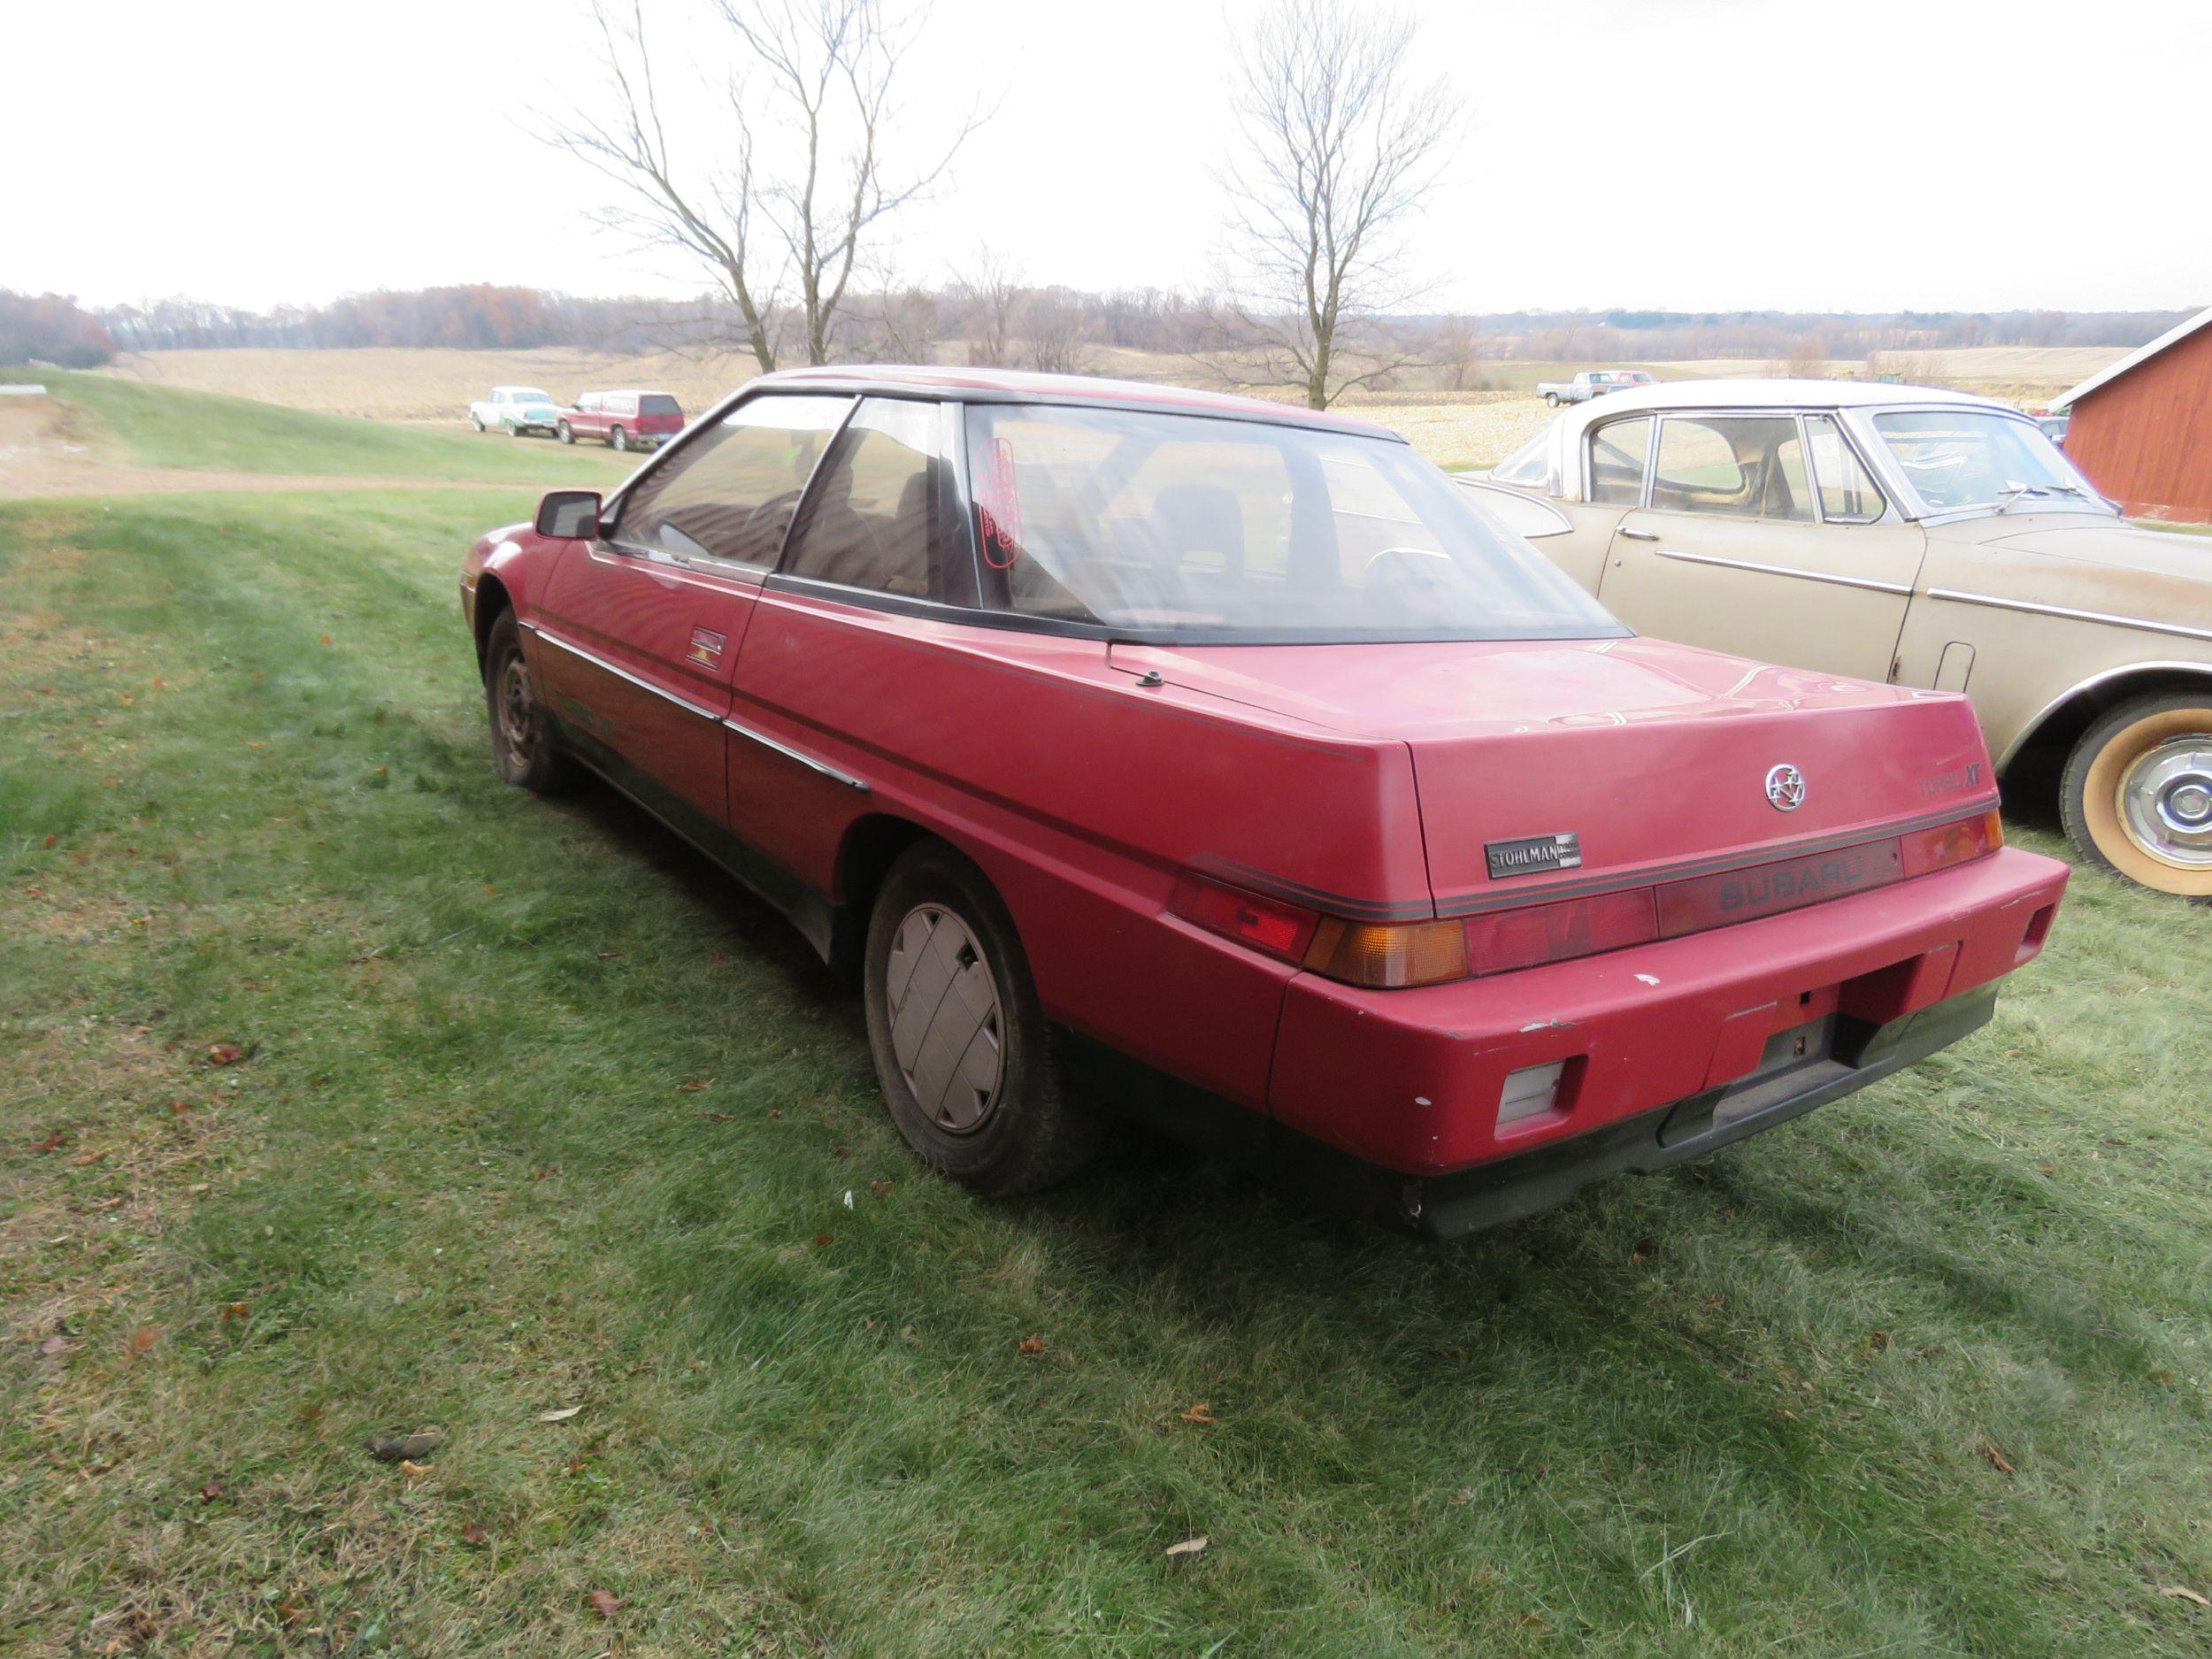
(2142, 429)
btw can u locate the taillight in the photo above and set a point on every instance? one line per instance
(1270, 925)
(1391, 955)
(1534, 933)
(1949, 844)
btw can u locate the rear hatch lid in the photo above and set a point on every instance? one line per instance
(1654, 757)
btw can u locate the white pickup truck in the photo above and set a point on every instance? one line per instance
(1589, 384)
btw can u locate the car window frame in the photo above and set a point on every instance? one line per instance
(1793, 415)
(960, 545)
(1651, 457)
(610, 515)
(1834, 417)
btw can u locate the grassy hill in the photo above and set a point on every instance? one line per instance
(168, 426)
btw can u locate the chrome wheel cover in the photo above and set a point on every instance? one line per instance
(947, 1027)
(518, 714)
(2166, 801)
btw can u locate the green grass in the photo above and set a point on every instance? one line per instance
(535, 1112)
(168, 426)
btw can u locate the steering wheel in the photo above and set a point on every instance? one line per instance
(785, 503)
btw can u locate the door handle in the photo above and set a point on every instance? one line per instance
(1642, 535)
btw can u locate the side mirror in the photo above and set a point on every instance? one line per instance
(573, 514)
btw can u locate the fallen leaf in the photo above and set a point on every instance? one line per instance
(1878, 1341)
(210, 1492)
(576, 1463)
(326, 638)
(234, 1311)
(474, 1534)
(1464, 1495)
(720, 1117)
(604, 1604)
(178, 1108)
(2183, 1592)
(414, 1470)
(225, 1054)
(143, 1339)
(878, 1188)
(311, 1414)
(54, 1142)
(1997, 1458)
(1189, 1547)
(290, 1611)
(51, 839)
(821, 1241)
(692, 1087)
(559, 1414)
(1200, 1413)
(392, 1448)
(775, 1111)
(837, 1150)
(1033, 1345)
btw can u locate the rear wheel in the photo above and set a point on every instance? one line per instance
(522, 746)
(1552, 399)
(967, 1061)
(619, 438)
(2138, 793)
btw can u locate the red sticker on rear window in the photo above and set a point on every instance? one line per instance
(998, 507)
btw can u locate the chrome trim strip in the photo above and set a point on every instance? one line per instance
(1867, 582)
(804, 759)
(2125, 670)
(684, 704)
(1962, 597)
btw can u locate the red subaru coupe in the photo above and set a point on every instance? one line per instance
(1214, 761)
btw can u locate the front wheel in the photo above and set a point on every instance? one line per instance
(967, 1061)
(563, 433)
(522, 747)
(620, 439)
(477, 421)
(2137, 795)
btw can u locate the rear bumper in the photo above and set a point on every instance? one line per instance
(1409, 1082)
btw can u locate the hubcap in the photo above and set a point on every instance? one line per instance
(518, 714)
(946, 1028)
(2166, 801)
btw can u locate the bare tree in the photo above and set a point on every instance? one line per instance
(1340, 148)
(987, 292)
(800, 186)
(1457, 346)
(1055, 332)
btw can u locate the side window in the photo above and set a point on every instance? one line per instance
(878, 517)
(729, 494)
(1617, 461)
(1745, 465)
(1848, 494)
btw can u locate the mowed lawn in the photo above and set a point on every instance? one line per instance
(346, 1091)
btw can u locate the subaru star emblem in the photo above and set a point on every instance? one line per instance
(1786, 788)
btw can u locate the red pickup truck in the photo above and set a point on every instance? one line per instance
(623, 420)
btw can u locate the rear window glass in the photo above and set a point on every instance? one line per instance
(1222, 529)
(657, 403)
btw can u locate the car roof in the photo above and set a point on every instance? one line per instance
(623, 391)
(518, 386)
(1015, 386)
(1771, 393)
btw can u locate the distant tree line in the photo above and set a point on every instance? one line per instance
(52, 328)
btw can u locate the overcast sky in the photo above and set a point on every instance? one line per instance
(1844, 154)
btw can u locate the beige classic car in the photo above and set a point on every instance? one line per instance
(1920, 537)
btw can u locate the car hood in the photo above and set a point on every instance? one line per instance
(1653, 754)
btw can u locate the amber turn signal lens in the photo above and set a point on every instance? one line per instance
(1389, 956)
(1949, 844)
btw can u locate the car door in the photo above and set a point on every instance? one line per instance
(646, 621)
(1762, 533)
(827, 681)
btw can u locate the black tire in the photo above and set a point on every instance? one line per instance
(1552, 398)
(515, 431)
(563, 433)
(2093, 796)
(619, 438)
(522, 748)
(1031, 1131)
(477, 421)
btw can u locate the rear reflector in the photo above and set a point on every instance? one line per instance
(1529, 1092)
(1270, 925)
